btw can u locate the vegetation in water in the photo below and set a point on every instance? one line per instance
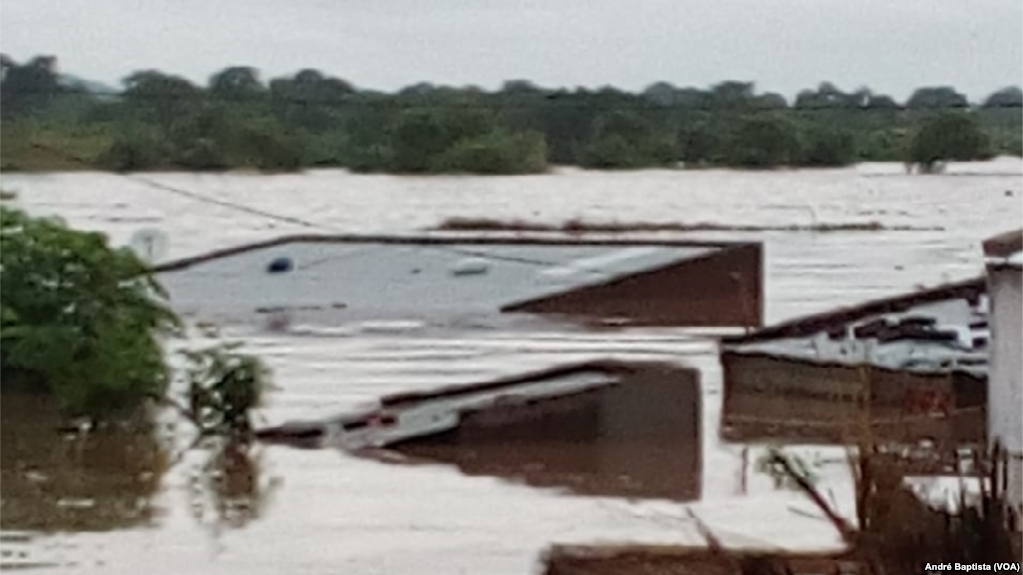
(83, 334)
(80, 320)
(162, 121)
(86, 323)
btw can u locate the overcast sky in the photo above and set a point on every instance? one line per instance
(784, 45)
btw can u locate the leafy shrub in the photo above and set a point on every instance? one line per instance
(80, 319)
(132, 154)
(495, 153)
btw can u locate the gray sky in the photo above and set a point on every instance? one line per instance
(892, 46)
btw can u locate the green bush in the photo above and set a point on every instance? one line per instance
(949, 136)
(132, 154)
(824, 146)
(495, 153)
(762, 142)
(202, 154)
(80, 319)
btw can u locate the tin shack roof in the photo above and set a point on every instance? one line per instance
(381, 276)
(938, 329)
(1005, 250)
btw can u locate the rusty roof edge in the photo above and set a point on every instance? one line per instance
(612, 367)
(1004, 245)
(431, 240)
(808, 325)
(817, 363)
(620, 549)
(519, 305)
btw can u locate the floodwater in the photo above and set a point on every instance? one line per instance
(325, 511)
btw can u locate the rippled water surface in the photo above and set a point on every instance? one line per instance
(328, 512)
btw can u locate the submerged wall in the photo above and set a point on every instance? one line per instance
(723, 289)
(639, 437)
(769, 397)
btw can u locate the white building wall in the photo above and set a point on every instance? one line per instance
(1005, 386)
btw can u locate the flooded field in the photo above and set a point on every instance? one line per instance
(324, 511)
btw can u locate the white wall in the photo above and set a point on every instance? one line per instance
(1005, 384)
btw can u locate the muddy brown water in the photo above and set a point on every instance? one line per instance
(326, 511)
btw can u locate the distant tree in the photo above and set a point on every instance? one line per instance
(881, 102)
(496, 152)
(950, 136)
(732, 94)
(626, 140)
(521, 87)
(6, 64)
(418, 138)
(311, 86)
(762, 142)
(826, 146)
(28, 88)
(1011, 97)
(133, 152)
(159, 97)
(936, 98)
(419, 89)
(236, 83)
(661, 93)
(693, 98)
(829, 96)
(699, 142)
(770, 101)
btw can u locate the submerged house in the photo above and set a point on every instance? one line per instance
(615, 428)
(344, 278)
(921, 359)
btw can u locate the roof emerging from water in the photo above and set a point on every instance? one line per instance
(386, 275)
(934, 330)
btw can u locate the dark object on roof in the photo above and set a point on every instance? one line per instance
(834, 322)
(279, 265)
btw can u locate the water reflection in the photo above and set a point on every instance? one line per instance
(225, 490)
(60, 481)
(639, 439)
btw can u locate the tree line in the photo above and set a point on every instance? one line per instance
(311, 119)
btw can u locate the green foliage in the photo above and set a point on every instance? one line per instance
(133, 153)
(461, 140)
(624, 140)
(762, 142)
(80, 320)
(313, 119)
(495, 153)
(223, 386)
(949, 136)
(825, 146)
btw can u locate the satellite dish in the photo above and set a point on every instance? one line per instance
(149, 244)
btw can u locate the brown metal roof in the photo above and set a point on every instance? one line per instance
(1004, 245)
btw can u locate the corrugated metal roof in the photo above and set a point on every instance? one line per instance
(373, 279)
(925, 334)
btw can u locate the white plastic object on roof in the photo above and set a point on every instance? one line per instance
(470, 267)
(149, 244)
